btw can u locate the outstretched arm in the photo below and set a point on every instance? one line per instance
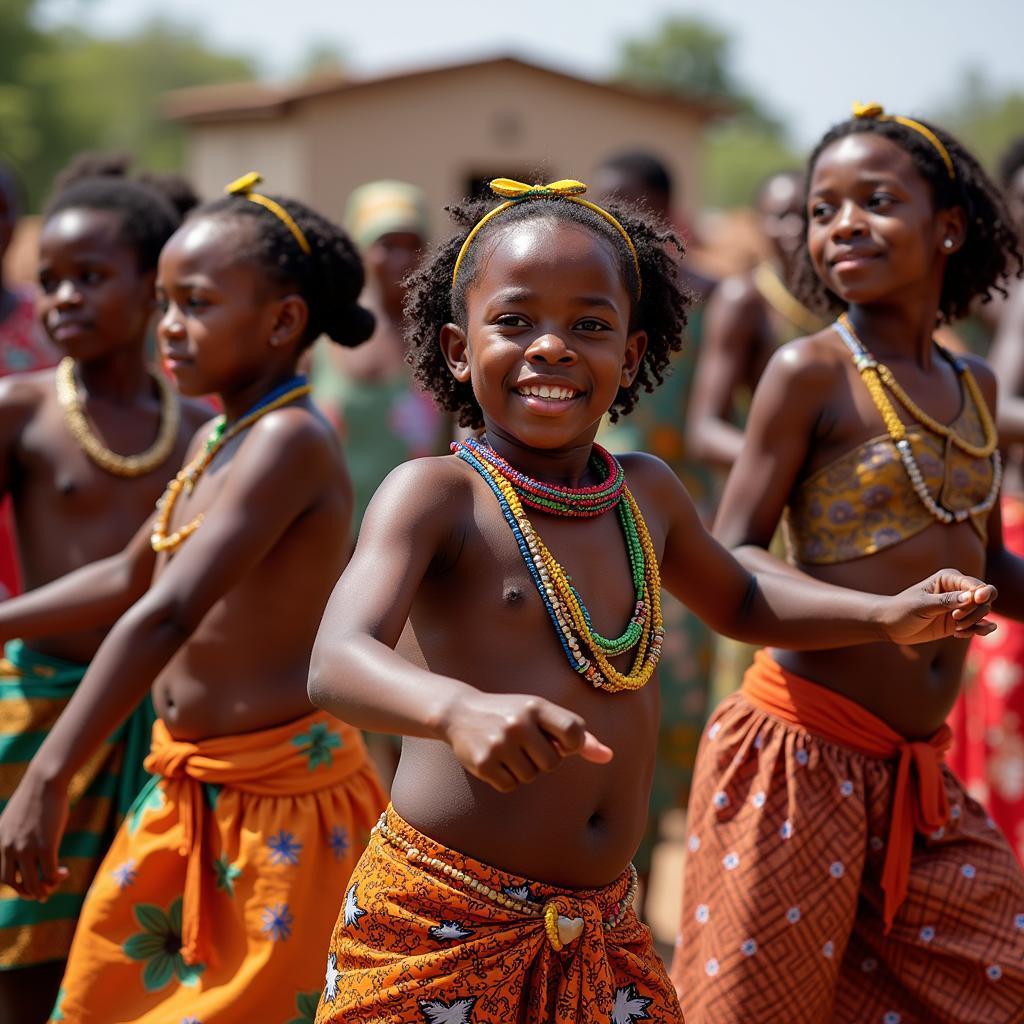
(355, 674)
(763, 600)
(274, 478)
(95, 595)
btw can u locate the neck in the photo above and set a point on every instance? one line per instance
(896, 332)
(120, 376)
(567, 467)
(238, 402)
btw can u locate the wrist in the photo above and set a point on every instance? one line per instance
(442, 712)
(878, 615)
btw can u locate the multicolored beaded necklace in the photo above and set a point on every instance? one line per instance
(187, 477)
(565, 607)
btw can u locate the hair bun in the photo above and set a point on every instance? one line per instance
(351, 326)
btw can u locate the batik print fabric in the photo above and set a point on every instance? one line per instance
(217, 899)
(34, 690)
(790, 835)
(414, 945)
(988, 719)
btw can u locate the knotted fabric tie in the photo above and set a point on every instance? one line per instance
(919, 795)
(876, 112)
(243, 187)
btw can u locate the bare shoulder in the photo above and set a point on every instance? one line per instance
(983, 374)
(22, 395)
(654, 483)
(814, 360)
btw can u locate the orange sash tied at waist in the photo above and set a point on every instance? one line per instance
(275, 762)
(919, 797)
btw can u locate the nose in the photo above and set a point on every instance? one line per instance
(849, 221)
(170, 325)
(66, 294)
(550, 348)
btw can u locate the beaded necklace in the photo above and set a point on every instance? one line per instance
(187, 477)
(877, 377)
(113, 462)
(569, 615)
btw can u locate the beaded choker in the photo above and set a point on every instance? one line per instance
(569, 615)
(187, 477)
(877, 377)
(114, 462)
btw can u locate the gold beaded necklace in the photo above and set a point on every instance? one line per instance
(113, 462)
(190, 474)
(877, 377)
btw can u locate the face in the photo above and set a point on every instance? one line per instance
(221, 317)
(547, 344)
(94, 300)
(1015, 199)
(781, 207)
(872, 229)
(391, 258)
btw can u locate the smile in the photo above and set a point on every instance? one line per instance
(560, 394)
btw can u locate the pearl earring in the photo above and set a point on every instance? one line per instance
(947, 243)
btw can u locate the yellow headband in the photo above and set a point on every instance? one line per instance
(875, 112)
(243, 187)
(516, 192)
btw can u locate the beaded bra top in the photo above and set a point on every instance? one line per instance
(864, 501)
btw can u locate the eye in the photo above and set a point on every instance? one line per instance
(880, 200)
(91, 277)
(196, 301)
(48, 283)
(821, 211)
(591, 324)
(512, 320)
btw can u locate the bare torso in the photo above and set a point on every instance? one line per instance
(478, 617)
(246, 665)
(68, 510)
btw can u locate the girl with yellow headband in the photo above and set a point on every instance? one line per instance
(836, 869)
(529, 568)
(210, 904)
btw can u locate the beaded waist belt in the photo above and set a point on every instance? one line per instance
(560, 928)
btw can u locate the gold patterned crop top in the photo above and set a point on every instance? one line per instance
(866, 500)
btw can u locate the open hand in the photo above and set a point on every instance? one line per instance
(508, 739)
(30, 830)
(946, 604)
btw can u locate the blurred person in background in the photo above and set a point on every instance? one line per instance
(23, 347)
(656, 426)
(749, 316)
(988, 719)
(368, 393)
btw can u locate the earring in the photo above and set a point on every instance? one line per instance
(947, 243)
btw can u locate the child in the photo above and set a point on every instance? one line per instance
(85, 451)
(210, 902)
(480, 898)
(868, 887)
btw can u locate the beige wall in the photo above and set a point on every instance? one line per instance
(439, 129)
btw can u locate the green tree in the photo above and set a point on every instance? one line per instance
(985, 119)
(690, 58)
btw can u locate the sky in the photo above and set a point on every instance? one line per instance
(806, 60)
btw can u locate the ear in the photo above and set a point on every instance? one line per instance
(952, 229)
(455, 349)
(289, 317)
(636, 346)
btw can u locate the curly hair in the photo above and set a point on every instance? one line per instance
(100, 181)
(432, 302)
(991, 251)
(330, 277)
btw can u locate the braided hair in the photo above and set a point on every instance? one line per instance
(330, 277)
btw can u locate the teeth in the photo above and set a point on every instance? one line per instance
(546, 391)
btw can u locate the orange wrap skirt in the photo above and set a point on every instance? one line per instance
(415, 943)
(837, 872)
(217, 898)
